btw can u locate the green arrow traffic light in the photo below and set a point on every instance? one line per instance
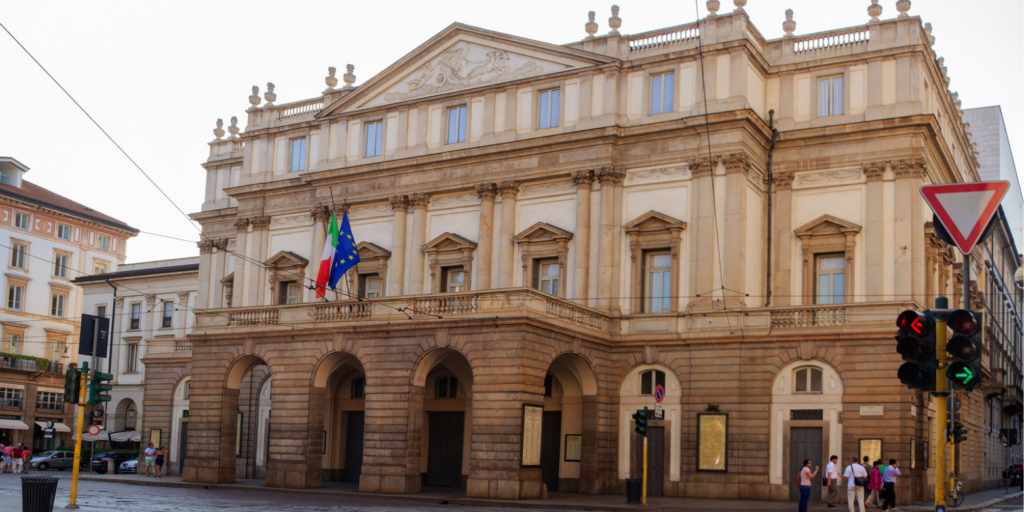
(964, 349)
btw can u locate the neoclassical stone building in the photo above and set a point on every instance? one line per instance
(548, 233)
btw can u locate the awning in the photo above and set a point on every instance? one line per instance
(13, 425)
(59, 427)
(119, 437)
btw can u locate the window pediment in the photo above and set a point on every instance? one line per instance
(448, 242)
(369, 251)
(827, 225)
(285, 259)
(542, 232)
(228, 279)
(448, 251)
(653, 221)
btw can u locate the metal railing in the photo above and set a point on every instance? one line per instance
(28, 365)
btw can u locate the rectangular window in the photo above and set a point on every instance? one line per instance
(299, 154)
(455, 279)
(549, 109)
(447, 387)
(47, 401)
(168, 314)
(101, 311)
(21, 220)
(103, 242)
(57, 305)
(456, 125)
(831, 274)
(99, 268)
(5, 177)
(63, 232)
(369, 286)
(60, 265)
(11, 344)
(54, 350)
(374, 134)
(358, 387)
(830, 96)
(132, 361)
(136, 315)
(288, 293)
(657, 282)
(546, 277)
(662, 93)
(11, 397)
(14, 296)
(19, 255)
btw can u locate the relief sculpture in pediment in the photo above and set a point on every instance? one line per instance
(464, 66)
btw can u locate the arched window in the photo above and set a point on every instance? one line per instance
(131, 419)
(447, 387)
(651, 379)
(807, 380)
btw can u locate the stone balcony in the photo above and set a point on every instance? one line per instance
(560, 313)
(168, 347)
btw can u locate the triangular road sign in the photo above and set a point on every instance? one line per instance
(965, 208)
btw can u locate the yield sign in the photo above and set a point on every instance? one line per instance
(965, 208)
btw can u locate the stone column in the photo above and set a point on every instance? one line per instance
(396, 267)
(319, 215)
(295, 454)
(394, 434)
(182, 315)
(783, 239)
(909, 231)
(874, 233)
(506, 268)
(419, 233)
(205, 268)
(220, 263)
(608, 178)
(581, 239)
(590, 480)
(239, 296)
(213, 411)
(703, 267)
(737, 169)
(486, 191)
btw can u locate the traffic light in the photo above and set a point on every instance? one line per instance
(964, 370)
(915, 341)
(958, 433)
(98, 385)
(640, 418)
(72, 385)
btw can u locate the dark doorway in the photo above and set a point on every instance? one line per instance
(444, 457)
(354, 446)
(184, 447)
(655, 460)
(804, 443)
(550, 447)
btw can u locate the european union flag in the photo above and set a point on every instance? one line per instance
(345, 254)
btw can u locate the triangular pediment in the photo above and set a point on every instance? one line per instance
(228, 279)
(826, 225)
(368, 251)
(458, 58)
(653, 221)
(286, 259)
(542, 232)
(449, 242)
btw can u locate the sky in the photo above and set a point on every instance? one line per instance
(157, 76)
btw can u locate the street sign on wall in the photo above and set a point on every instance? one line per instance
(965, 209)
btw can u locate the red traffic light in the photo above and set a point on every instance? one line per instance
(913, 322)
(962, 322)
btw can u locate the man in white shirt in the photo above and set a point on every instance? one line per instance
(833, 481)
(854, 491)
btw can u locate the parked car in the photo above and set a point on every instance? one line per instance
(99, 462)
(52, 460)
(128, 467)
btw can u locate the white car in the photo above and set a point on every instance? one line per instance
(128, 466)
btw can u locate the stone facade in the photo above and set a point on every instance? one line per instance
(567, 227)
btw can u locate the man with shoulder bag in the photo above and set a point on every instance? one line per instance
(856, 478)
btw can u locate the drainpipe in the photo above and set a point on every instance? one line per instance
(768, 247)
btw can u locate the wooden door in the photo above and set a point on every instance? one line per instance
(550, 448)
(184, 447)
(804, 443)
(655, 460)
(354, 446)
(444, 456)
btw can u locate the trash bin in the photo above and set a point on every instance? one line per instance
(38, 493)
(633, 490)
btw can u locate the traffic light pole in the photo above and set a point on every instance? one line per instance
(78, 439)
(643, 495)
(941, 408)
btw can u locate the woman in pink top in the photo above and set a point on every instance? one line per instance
(805, 483)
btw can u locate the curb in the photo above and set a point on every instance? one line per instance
(472, 502)
(980, 506)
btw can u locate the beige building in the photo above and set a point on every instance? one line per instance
(548, 233)
(49, 240)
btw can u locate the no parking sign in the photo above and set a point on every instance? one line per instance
(659, 393)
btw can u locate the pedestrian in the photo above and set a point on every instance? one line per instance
(160, 461)
(856, 476)
(831, 481)
(1006, 477)
(8, 452)
(889, 485)
(16, 455)
(875, 485)
(150, 457)
(805, 483)
(867, 469)
(26, 455)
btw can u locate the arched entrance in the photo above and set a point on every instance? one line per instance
(251, 377)
(126, 416)
(807, 399)
(179, 426)
(447, 392)
(344, 378)
(664, 436)
(566, 428)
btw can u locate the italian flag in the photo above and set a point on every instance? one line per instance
(330, 246)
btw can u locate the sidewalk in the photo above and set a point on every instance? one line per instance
(973, 501)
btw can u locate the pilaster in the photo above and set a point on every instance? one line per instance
(506, 268)
(738, 169)
(581, 239)
(396, 277)
(702, 238)
(783, 239)
(609, 179)
(419, 233)
(874, 234)
(486, 192)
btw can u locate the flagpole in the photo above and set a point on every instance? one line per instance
(327, 233)
(343, 212)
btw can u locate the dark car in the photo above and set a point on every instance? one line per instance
(100, 461)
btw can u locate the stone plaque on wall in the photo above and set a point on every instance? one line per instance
(871, 410)
(533, 419)
(712, 442)
(573, 447)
